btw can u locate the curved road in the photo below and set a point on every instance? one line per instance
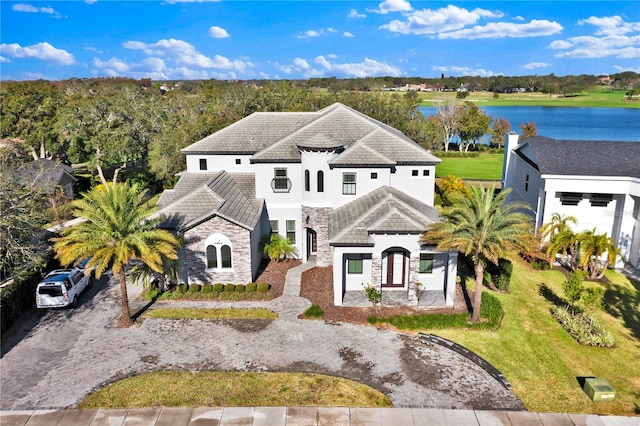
(54, 359)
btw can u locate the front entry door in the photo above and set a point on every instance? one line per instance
(312, 242)
(393, 269)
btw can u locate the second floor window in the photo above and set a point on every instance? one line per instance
(291, 231)
(320, 181)
(349, 183)
(280, 179)
(307, 181)
(203, 164)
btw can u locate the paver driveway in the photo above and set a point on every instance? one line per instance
(53, 359)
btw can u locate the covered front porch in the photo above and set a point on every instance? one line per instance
(428, 299)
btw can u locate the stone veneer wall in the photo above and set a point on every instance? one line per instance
(319, 222)
(195, 259)
(376, 270)
(414, 265)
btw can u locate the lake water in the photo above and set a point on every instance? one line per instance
(612, 124)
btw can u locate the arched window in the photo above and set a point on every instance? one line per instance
(212, 257)
(218, 252)
(307, 181)
(225, 252)
(320, 181)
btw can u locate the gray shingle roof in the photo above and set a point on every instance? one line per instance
(278, 136)
(583, 158)
(200, 196)
(385, 210)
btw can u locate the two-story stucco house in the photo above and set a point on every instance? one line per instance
(345, 189)
(597, 182)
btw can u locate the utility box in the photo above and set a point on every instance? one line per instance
(599, 390)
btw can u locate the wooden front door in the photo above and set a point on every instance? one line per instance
(394, 269)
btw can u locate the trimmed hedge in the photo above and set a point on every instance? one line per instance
(251, 288)
(239, 288)
(182, 288)
(263, 287)
(229, 288)
(207, 288)
(218, 288)
(194, 288)
(20, 296)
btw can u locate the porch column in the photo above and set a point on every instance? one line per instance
(376, 270)
(338, 277)
(450, 278)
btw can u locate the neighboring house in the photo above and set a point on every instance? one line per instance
(345, 189)
(597, 182)
(49, 175)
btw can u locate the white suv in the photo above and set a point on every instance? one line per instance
(61, 288)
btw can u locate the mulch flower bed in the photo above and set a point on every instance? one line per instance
(274, 273)
(317, 286)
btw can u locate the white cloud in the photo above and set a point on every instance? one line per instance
(113, 67)
(389, 6)
(301, 64)
(623, 69)
(23, 7)
(617, 46)
(218, 32)
(354, 14)
(368, 67)
(90, 1)
(429, 21)
(611, 25)
(348, 34)
(535, 28)
(190, 1)
(317, 33)
(42, 51)
(184, 54)
(6, 60)
(534, 65)
(466, 71)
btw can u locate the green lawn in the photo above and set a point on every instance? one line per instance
(234, 389)
(484, 167)
(543, 363)
(600, 97)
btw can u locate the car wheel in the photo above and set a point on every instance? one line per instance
(75, 302)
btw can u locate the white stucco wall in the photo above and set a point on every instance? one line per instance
(420, 187)
(216, 163)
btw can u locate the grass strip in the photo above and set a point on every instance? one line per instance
(234, 389)
(491, 312)
(210, 313)
(483, 167)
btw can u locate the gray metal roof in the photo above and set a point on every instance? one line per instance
(385, 210)
(582, 158)
(200, 196)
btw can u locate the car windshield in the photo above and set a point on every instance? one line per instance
(51, 290)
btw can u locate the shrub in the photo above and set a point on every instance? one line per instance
(573, 287)
(218, 288)
(583, 328)
(152, 294)
(194, 288)
(251, 288)
(229, 288)
(240, 288)
(182, 288)
(540, 265)
(374, 295)
(207, 288)
(500, 274)
(314, 311)
(592, 298)
(263, 287)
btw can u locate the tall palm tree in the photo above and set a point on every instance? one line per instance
(484, 228)
(116, 231)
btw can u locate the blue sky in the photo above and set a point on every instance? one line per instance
(187, 39)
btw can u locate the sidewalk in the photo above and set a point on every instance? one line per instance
(303, 416)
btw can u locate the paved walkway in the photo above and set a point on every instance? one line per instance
(54, 359)
(305, 416)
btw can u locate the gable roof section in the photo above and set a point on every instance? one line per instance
(385, 210)
(251, 134)
(581, 158)
(200, 196)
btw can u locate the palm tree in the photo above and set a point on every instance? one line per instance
(593, 246)
(116, 231)
(278, 248)
(564, 242)
(484, 228)
(559, 223)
